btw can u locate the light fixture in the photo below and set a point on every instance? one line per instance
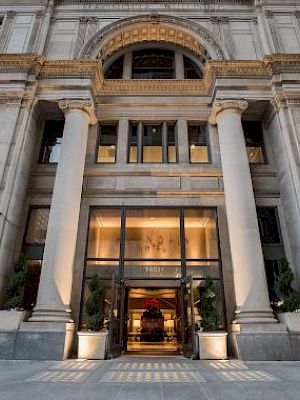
(136, 323)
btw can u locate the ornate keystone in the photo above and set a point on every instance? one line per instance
(225, 105)
(83, 105)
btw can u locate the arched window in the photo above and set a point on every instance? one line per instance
(191, 70)
(153, 63)
(115, 71)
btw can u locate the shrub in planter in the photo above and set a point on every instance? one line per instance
(288, 299)
(208, 311)
(287, 304)
(212, 343)
(94, 304)
(15, 290)
(92, 343)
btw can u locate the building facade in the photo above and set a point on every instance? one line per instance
(153, 143)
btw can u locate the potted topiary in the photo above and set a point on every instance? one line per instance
(14, 313)
(287, 305)
(92, 340)
(212, 343)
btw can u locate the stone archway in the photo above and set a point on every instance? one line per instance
(155, 28)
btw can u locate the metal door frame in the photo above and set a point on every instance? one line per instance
(185, 352)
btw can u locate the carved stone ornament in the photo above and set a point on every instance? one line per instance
(237, 106)
(266, 72)
(152, 27)
(11, 14)
(83, 105)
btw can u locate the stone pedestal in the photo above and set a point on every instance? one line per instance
(44, 341)
(260, 342)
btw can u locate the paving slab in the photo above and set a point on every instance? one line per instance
(149, 378)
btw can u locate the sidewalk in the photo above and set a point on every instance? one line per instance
(151, 378)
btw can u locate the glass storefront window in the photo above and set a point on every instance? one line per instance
(104, 233)
(203, 269)
(152, 144)
(198, 143)
(133, 145)
(201, 239)
(52, 142)
(272, 246)
(107, 144)
(152, 234)
(172, 148)
(33, 248)
(151, 245)
(254, 141)
(37, 226)
(268, 225)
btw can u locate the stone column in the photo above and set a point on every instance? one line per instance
(179, 65)
(122, 145)
(182, 141)
(127, 66)
(53, 303)
(252, 299)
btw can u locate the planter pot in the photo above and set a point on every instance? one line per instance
(10, 320)
(292, 321)
(92, 345)
(212, 345)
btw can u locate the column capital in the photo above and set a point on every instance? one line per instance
(237, 106)
(78, 104)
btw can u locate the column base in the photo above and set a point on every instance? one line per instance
(44, 341)
(255, 316)
(50, 314)
(260, 342)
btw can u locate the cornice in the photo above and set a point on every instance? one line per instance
(28, 63)
(39, 70)
(207, 2)
(72, 69)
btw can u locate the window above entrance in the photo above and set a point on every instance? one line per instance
(152, 143)
(107, 143)
(153, 243)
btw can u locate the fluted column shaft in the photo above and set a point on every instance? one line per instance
(252, 299)
(53, 302)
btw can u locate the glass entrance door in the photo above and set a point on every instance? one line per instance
(151, 320)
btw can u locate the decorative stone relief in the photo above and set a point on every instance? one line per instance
(238, 106)
(83, 105)
(152, 27)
